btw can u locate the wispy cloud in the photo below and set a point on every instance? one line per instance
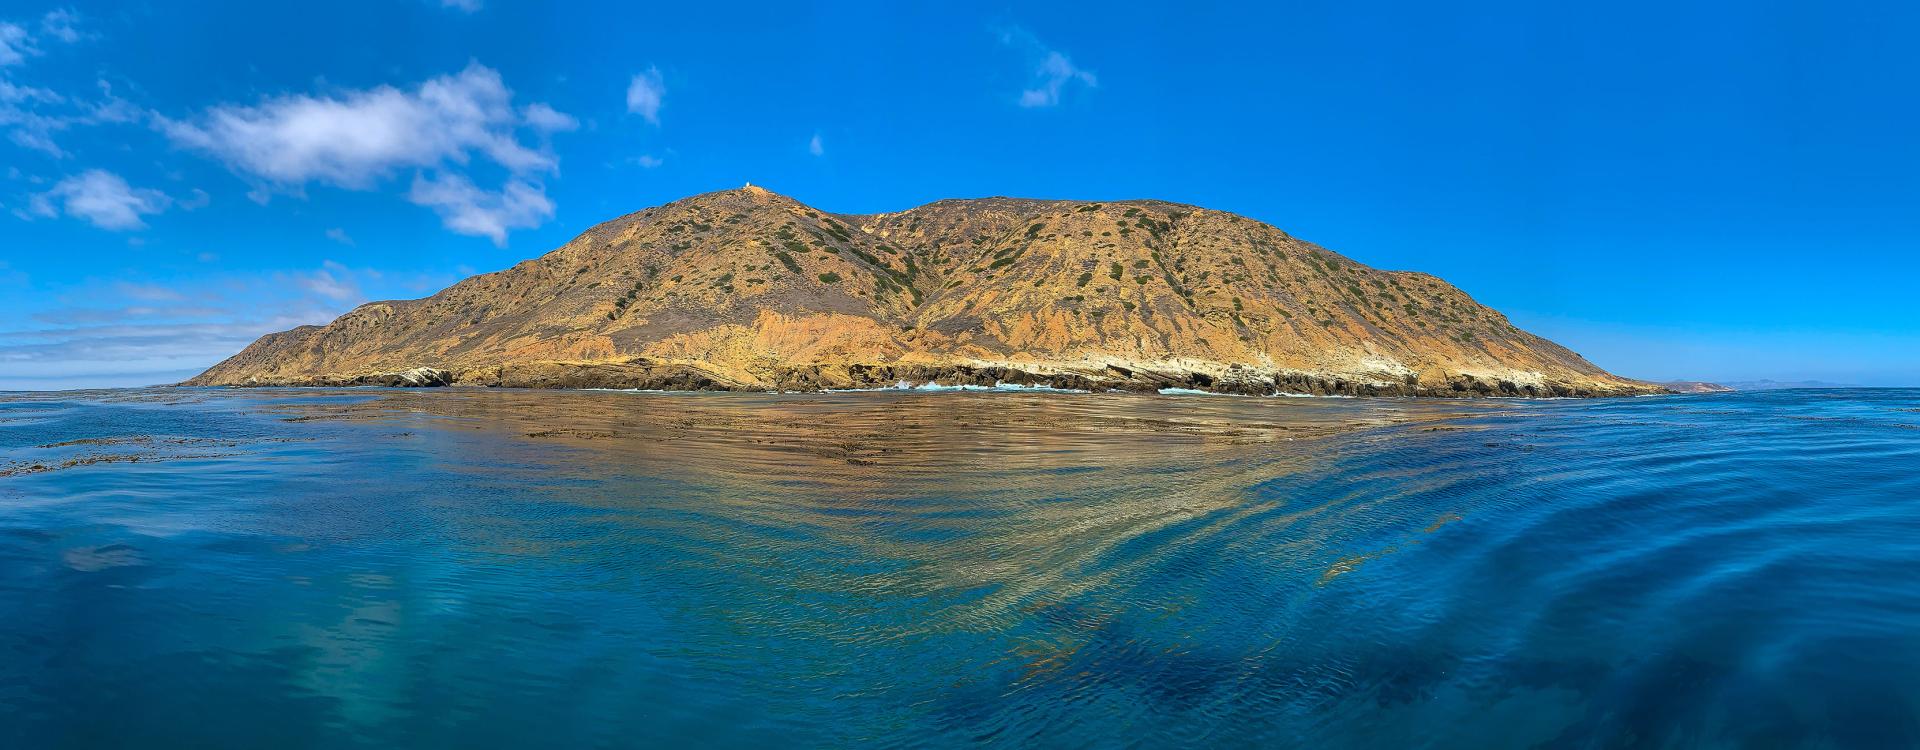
(61, 24)
(31, 115)
(16, 45)
(13, 93)
(129, 353)
(469, 6)
(138, 344)
(340, 235)
(1053, 71)
(646, 93)
(148, 292)
(816, 147)
(100, 198)
(134, 332)
(71, 316)
(196, 199)
(17, 42)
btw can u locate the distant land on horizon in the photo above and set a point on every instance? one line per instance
(745, 289)
(1781, 385)
(1693, 386)
(1698, 386)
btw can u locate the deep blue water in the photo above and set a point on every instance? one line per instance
(455, 568)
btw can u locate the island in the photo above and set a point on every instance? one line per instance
(747, 289)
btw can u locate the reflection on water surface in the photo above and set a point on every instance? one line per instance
(497, 568)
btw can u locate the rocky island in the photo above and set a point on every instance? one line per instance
(750, 290)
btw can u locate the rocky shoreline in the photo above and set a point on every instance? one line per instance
(642, 374)
(745, 290)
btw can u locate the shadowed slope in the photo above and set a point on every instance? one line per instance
(745, 289)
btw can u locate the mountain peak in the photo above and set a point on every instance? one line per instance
(749, 289)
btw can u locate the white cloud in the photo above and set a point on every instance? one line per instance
(103, 199)
(195, 200)
(546, 119)
(12, 93)
(470, 210)
(645, 93)
(59, 24)
(333, 281)
(129, 347)
(16, 45)
(33, 115)
(95, 315)
(648, 160)
(1053, 71)
(469, 6)
(148, 292)
(360, 137)
(134, 332)
(38, 206)
(815, 147)
(112, 108)
(37, 140)
(340, 235)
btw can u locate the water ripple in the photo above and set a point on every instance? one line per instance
(370, 567)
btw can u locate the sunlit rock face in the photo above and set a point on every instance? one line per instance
(749, 290)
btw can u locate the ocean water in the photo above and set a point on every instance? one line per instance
(465, 568)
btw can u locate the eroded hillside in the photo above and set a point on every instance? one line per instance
(746, 289)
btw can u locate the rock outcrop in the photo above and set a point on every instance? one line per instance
(749, 290)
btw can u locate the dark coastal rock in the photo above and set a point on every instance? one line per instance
(748, 290)
(649, 374)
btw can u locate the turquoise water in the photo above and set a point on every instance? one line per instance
(455, 568)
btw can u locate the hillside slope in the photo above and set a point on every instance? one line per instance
(746, 289)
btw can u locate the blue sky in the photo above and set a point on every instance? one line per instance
(1717, 191)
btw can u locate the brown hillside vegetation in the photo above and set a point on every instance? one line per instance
(745, 289)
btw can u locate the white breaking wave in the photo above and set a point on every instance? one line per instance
(936, 387)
